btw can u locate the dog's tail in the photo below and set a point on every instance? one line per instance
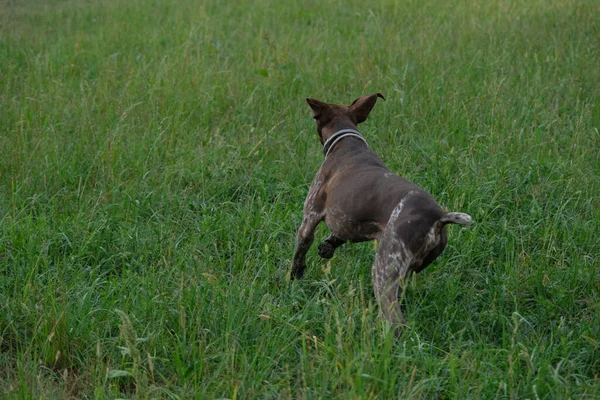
(457, 218)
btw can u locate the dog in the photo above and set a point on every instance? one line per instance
(360, 199)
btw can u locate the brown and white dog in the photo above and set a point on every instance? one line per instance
(360, 199)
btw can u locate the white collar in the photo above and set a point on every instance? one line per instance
(339, 135)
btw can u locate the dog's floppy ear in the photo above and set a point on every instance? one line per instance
(318, 107)
(362, 106)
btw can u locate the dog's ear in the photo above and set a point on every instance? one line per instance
(362, 106)
(318, 107)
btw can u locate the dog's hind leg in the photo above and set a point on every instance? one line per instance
(389, 269)
(327, 248)
(392, 263)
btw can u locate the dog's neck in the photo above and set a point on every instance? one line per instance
(334, 126)
(335, 137)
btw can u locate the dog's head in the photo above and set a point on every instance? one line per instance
(330, 117)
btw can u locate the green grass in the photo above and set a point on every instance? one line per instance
(155, 155)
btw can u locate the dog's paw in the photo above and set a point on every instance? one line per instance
(297, 272)
(326, 250)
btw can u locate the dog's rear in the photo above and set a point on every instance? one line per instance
(414, 237)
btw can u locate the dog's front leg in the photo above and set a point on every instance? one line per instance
(303, 241)
(327, 248)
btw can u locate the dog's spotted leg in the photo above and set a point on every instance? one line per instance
(391, 265)
(304, 240)
(327, 248)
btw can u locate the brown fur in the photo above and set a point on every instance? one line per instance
(359, 199)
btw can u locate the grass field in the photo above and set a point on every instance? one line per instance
(155, 155)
